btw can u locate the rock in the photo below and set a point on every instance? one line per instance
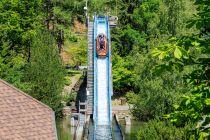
(128, 120)
(123, 101)
(66, 110)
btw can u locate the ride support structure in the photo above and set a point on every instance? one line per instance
(99, 77)
(102, 113)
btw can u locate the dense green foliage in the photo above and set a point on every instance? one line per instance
(18, 21)
(192, 51)
(77, 51)
(143, 26)
(29, 59)
(160, 130)
(11, 66)
(154, 94)
(45, 72)
(122, 75)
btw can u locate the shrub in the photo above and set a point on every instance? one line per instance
(162, 130)
(69, 99)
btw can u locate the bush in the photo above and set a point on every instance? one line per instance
(162, 130)
(123, 76)
(69, 99)
(67, 80)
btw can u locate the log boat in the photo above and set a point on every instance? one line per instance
(101, 45)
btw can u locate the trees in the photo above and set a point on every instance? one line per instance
(58, 19)
(145, 24)
(142, 26)
(12, 66)
(18, 20)
(123, 76)
(45, 72)
(192, 51)
(18, 23)
(154, 93)
(77, 51)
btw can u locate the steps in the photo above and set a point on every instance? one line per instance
(90, 69)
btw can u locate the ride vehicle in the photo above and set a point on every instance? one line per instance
(101, 45)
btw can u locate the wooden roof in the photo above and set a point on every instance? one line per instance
(23, 117)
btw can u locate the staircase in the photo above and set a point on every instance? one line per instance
(90, 70)
(82, 112)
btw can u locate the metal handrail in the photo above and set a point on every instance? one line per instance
(121, 131)
(77, 126)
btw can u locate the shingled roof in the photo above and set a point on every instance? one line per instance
(23, 117)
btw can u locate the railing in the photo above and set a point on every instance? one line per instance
(77, 126)
(119, 127)
(81, 121)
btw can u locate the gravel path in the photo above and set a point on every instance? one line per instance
(120, 108)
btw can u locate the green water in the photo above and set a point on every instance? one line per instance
(130, 131)
(64, 130)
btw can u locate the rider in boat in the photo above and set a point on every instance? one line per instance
(101, 42)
